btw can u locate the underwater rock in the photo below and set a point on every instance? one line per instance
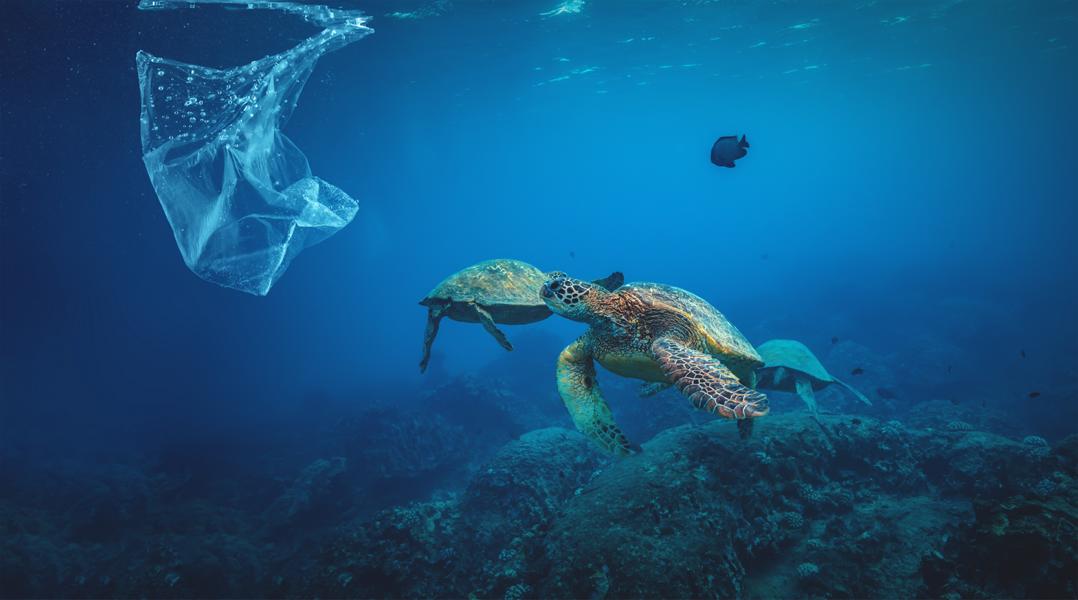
(239, 195)
(516, 498)
(959, 426)
(526, 482)
(881, 508)
(702, 513)
(480, 544)
(930, 414)
(699, 513)
(1021, 547)
(310, 490)
(1035, 440)
(388, 444)
(486, 407)
(410, 551)
(807, 569)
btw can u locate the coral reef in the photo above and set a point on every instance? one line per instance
(702, 513)
(839, 506)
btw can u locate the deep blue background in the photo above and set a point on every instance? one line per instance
(911, 185)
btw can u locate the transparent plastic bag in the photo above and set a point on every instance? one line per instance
(239, 195)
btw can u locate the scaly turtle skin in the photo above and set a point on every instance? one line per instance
(502, 290)
(657, 333)
(789, 366)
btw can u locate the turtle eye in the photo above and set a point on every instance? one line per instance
(555, 284)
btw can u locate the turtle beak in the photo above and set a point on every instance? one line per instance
(546, 293)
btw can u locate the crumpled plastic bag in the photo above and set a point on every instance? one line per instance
(239, 195)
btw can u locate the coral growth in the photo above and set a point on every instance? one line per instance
(831, 507)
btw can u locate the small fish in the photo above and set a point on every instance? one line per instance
(1033, 394)
(765, 256)
(885, 393)
(855, 421)
(1023, 353)
(727, 149)
(834, 340)
(857, 371)
(955, 401)
(984, 402)
(572, 254)
(948, 369)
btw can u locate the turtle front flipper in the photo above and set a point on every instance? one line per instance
(579, 390)
(778, 376)
(434, 318)
(612, 281)
(804, 389)
(492, 329)
(651, 388)
(853, 391)
(707, 382)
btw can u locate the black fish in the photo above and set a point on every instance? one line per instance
(765, 256)
(727, 149)
(955, 401)
(948, 368)
(1034, 394)
(1023, 353)
(834, 339)
(855, 421)
(857, 371)
(885, 393)
(572, 254)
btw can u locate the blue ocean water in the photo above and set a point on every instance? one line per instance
(906, 209)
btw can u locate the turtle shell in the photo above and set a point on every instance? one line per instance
(724, 340)
(507, 288)
(501, 281)
(794, 356)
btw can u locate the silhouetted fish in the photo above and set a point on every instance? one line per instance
(955, 401)
(948, 368)
(1034, 394)
(572, 254)
(885, 393)
(857, 371)
(727, 149)
(765, 256)
(834, 339)
(855, 421)
(1023, 353)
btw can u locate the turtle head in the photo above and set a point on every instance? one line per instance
(571, 298)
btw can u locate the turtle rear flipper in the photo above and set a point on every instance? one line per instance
(434, 317)
(853, 391)
(744, 428)
(579, 389)
(612, 281)
(707, 382)
(804, 389)
(492, 329)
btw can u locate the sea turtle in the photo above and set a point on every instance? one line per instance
(502, 290)
(789, 366)
(657, 333)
